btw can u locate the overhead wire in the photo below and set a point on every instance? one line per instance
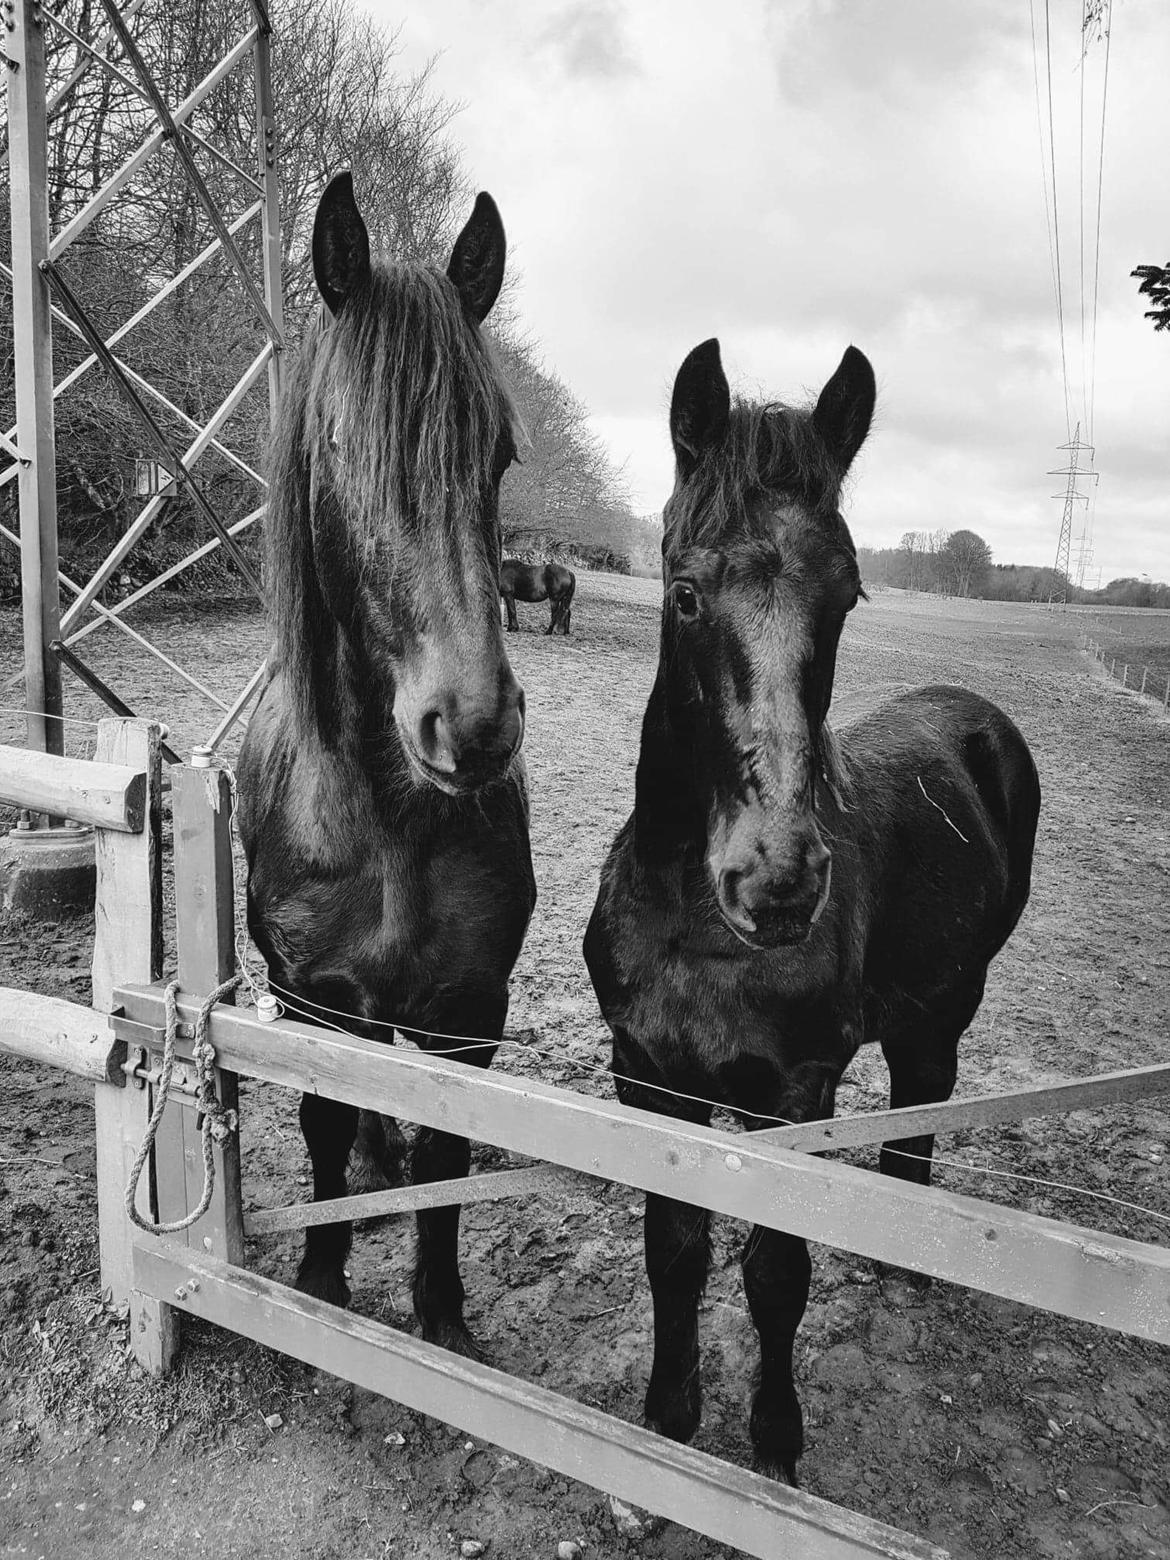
(1097, 247)
(1043, 163)
(1056, 220)
(1081, 213)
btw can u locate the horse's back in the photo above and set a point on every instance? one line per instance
(946, 785)
(560, 581)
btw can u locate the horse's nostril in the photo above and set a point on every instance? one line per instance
(434, 742)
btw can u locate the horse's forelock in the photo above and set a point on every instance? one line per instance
(410, 389)
(770, 452)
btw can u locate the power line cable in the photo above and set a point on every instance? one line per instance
(1043, 162)
(1081, 216)
(1097, 256)
(1056, 219)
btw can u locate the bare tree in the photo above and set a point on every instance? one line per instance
(966, 563)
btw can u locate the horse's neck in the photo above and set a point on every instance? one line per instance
(670, 814)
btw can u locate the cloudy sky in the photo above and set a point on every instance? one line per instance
(795, 176)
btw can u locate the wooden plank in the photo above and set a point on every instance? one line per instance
(463, 1190)
(756, 1515)
(106, 795)
(201, 803)
(1116, 1283)
(128, 936)
(60, 1034)
(982, 1110)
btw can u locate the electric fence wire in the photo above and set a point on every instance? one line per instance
(313, 1012)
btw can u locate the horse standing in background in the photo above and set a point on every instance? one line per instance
(722, 962)
(384, 809)
(551, 582)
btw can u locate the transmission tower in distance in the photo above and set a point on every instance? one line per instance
(1071, 496)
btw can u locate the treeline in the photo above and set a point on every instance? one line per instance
(953, 563)
(341, 102)
(959, 563)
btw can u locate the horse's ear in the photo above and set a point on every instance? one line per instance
(700, 406)
(477, 261)
(845, 410)
(341, 245)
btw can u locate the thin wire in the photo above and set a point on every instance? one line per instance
(606, 1072)
(1056, 221)
(467, 1042)
(1081, 217)
(68, 720)
(1043, 163)
(1097, 258)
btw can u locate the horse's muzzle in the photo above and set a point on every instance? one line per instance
(460, 749)
(765, 910)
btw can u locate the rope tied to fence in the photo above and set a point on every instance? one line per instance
(216, 1123)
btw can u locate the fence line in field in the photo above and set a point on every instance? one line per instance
(1148, 687)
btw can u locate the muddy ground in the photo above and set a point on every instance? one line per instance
(995, 1430)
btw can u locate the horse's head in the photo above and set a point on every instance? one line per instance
(760, 572)
(402, 432)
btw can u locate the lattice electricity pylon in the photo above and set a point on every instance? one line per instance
(38, 277)
(1071, 496)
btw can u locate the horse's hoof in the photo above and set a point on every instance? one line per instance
(323, 1283)
(782, 1469)
(674, 1415)
(777, 1439)
(456, 1337)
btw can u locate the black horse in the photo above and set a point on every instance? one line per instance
(383, 800)
(723, 964)
(551, 582)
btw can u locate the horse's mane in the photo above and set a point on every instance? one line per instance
(408, 389)
(768, 450)
(834, 770)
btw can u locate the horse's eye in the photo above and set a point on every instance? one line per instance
(686, 601)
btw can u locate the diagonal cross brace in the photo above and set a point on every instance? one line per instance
(183, 153)
(157, 437)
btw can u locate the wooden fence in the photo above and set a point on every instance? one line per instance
(1141, 679)
(769, 1177)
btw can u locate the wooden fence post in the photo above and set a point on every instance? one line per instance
(1145, 674)
(1125, 674)
(205, 943)
(128, 946)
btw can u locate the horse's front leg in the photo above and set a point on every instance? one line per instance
(513, 620)
(677, 1243)
(329, 1129)
(379, 1154)
(776, 1274)
(442, 1156)
(678, 1247)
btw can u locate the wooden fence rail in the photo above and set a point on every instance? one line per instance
(108, 796)
(769, 1177)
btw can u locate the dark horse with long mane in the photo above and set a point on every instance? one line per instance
(723, 964)
(384, 807)
(551, 582)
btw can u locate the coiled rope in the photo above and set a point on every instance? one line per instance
(217, 1123)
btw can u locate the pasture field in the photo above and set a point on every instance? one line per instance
(1134, 637)
(998, 1431)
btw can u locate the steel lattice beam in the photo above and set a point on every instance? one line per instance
(35, 265)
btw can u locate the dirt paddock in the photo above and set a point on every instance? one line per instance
(995, 1430)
